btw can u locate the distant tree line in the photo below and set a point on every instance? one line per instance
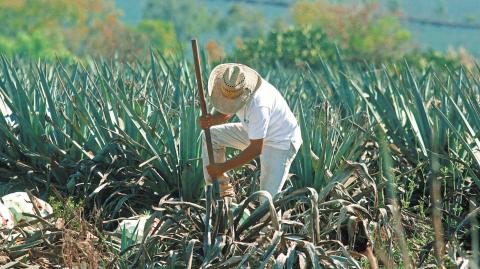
(81, 28)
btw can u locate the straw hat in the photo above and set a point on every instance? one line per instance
(231, 85)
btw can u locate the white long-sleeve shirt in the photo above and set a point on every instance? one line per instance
(267, 115)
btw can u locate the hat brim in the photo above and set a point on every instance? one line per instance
(227, 105)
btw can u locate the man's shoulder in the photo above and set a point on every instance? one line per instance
(267, 86)
(267, 91)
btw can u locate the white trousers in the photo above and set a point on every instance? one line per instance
(275, 163)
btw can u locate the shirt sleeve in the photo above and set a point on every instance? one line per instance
(258, 122)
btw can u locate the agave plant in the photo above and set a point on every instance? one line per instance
(387, 150)
(91, 130)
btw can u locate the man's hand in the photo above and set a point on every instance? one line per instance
(205, 121)
(211, 120)
(216, 170)
(251, 152)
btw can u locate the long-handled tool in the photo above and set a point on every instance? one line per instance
(203, 104)
(208, 138)
(225, 189)
(225, 185)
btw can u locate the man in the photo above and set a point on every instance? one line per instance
(267, 127)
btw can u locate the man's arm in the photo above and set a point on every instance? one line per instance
(212, 120)
(251, 152)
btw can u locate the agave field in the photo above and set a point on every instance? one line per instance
(390, 162)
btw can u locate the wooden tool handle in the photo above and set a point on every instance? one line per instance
(201, 97)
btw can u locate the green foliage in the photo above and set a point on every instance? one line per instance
(141, 119)
(124, 136)
(240, 21)
(37, 36)
(422, 59)
(295, 47)
(35, 44)
(362, 30)
(291, 47)
(188, 17)
(79, 28)
(361, 33)
(223, 28)
(68, 209)
(160, 34)
(384, 38)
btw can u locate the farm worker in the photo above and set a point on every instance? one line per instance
(267, 127)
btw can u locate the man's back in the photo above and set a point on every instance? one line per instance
(281, 125)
